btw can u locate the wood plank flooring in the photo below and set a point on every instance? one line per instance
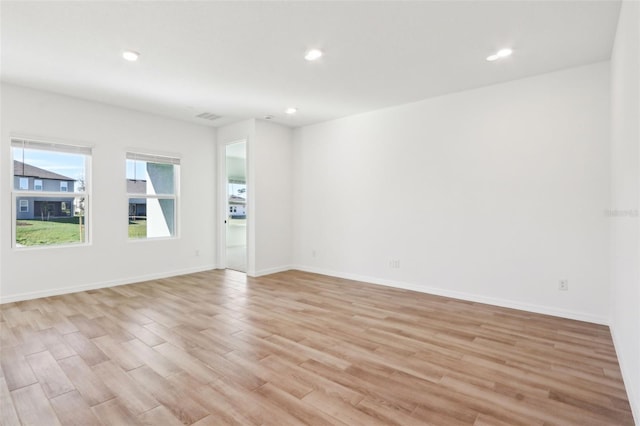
(292, 348)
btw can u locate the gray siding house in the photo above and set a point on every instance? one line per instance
(34, 179)
(137, 206)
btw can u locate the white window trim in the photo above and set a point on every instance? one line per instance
(27, 206)
(86, 194)
(35, 185)
(23, 179)
(65, 185)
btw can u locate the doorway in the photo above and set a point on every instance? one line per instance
(236, 201)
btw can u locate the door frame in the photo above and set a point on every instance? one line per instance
(223, 200)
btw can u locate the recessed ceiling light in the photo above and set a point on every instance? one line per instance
(313, 54)
(502, 53)
(130, 55)
(291, 110)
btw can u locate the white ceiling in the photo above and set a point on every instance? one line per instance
(245, 59)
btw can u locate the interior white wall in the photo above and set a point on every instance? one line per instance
(269, 201)
(237, 132)
(625, 201)
(110, 258)
(493, 194)
(273, 202)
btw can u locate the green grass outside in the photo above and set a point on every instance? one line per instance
(63, 231)
(55, 231)
(138, 228)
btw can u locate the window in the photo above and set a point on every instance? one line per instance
(152, 190)
(237, 199)
(54, 211)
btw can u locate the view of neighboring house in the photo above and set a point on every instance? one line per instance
(137, 206)
(34, 179)
(237, 203)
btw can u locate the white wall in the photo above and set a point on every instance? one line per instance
(269, 201)
(111, 258)
(273, 202)
(236, 132)
(493, 194)
(625, 202)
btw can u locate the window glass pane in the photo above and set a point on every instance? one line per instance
(161, 218)
(144, 177)
(43, 219)
(137, 218)
(238, 190)
(151, 218)
(53, 169)
(151, 185)
(237, 199)
(50, 221)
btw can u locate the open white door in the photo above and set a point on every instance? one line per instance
(235, 206)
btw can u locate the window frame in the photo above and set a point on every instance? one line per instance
(64, 184)
(60, 147)
(172, 159)
(35, 185)
(27, 206)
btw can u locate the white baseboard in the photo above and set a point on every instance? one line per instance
(505, 303)
(93, 286)
(270, 271)
(634, 400)
(373, 280)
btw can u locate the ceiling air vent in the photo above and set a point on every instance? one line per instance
(208, 116)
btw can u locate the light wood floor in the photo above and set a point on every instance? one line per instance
(295, 348)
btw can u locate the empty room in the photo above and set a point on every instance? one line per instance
(320, 212)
